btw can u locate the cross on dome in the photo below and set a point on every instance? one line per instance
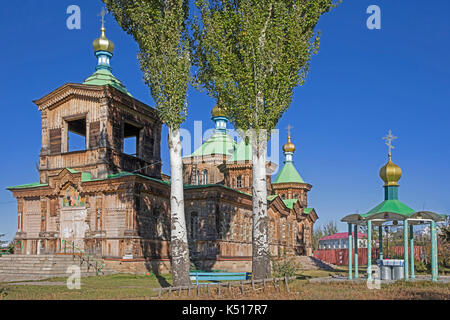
(103, 13)
(389, 138)
(289, 127)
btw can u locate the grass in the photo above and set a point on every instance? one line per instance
(117, 286)
(136, 287)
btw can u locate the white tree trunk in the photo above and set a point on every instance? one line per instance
(260, 257)
(178, 244)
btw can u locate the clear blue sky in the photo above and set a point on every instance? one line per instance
(362, 83)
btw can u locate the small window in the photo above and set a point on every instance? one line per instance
(239, 182)
(283, 196)
(131, 139)
(76, 137)
(296, 196)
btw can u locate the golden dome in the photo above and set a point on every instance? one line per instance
(217, 112)
(390, 173)
(103, 43)
(289, 146)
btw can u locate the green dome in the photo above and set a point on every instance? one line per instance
(243, 152)
(218, 143)
(103, 77)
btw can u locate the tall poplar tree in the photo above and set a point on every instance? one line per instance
(252, 54)
(160, 29)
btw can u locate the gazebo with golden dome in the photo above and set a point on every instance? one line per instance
(392, 210)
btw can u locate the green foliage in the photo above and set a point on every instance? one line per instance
(160, 29)
(421, 266)
(3, 292)
(445, 230)
(252, 54)
(286, 267)
(326, 230)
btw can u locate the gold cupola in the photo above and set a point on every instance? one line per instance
(217, 112)
(103, 43)
(390, 173)
(289, 146)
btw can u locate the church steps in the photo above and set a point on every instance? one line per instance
(36, 267)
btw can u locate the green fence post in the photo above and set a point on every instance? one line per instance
(411, 246)
(434, 264)
(369, 250)
(380, 240)
(405, 248)
(356, 250)
(350, 251)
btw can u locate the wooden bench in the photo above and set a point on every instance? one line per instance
(218, 276)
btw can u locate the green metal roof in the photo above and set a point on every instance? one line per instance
(290, 203)
(243, 152)
(218, 143)
(288, 174)
(308, 210)
(272, 197)
(394, 206)
(85, 176)
(104, 77)
(29, 185)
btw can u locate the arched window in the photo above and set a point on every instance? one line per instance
(296, 196)
(205, 177)
(283, 196)
(239, 182)
(196, 177)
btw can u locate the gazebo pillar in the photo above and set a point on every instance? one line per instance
(411, 246)
(380, 241)
(349, 246)
(356, 250)
(434, 264)
(405, 248)
(369, 250)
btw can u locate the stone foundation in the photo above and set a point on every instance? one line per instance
(163, 266)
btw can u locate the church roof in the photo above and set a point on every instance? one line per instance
(243, 152)
(104, 77)
(219, 143)
(288, 174)
(290, 202)
(394, 206)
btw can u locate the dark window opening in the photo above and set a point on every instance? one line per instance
(194, 225)
(239, 182)
(131, 139)
(76, 137)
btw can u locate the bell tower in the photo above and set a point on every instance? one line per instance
(113, 131)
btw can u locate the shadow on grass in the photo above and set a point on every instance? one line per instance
(154, 268)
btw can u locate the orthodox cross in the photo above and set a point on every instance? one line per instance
(102, 14)
(389, 139)
(289, 127)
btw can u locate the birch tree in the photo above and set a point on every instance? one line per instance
(160, 29)
(252, 54)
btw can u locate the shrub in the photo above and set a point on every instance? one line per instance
(286, 267)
